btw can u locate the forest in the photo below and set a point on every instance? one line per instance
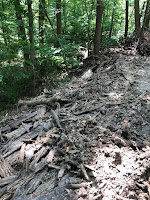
(42, 41)
(74, 100)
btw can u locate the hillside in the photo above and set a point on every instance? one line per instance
(89, 139)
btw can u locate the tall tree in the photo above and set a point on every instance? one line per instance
(41, 21)
(64, 6)
(126, 18)
(137, 15)
(4, 29)
(144, 20)
(112, 19)
(21, 29)
(147, 20)
(97, 38)
(31, 38)
(58, 15)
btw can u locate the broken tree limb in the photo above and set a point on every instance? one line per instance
(46, 101)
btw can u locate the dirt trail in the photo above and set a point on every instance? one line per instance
(96, 147)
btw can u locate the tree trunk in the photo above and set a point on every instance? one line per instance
(41, 22)
(127, 19)
(147, 19)
(97, 39)
(31, 38)
(5, 33)
(112, 20)
(144, 21)
(58, 15)
(21, 29)
(137, 15)
(65, 17)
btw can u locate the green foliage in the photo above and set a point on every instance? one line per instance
(78, 17)
(109, 42)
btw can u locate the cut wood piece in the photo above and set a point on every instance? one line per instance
(13, 144)
(50, 156)
(78, 185)
(84, 172)
(16, 123)
(17, 145)
(37, 156)
(34, 183)
(53, 166)
(27, 126)
(7, 180)
(22, 154)
(71, 162)
(1, 137)
(74, 180)
(61, 171)
(5, 168)
(16, 133)
(39, 166)
(13, 158)
(19, 182)
(52, 133)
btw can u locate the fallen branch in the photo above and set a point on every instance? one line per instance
(46, 101)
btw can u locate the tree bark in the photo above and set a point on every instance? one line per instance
(64, 16)
(97, 39)
(58, 15)
(112, 20)
(144, 21)
(5, 32)
(41, 22)
(127, 19)
(21, 29)
(147, 19)
(31, 38)
(137, 15)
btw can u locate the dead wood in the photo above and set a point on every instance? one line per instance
(106, 137)
(78, 185)
(16, 123)
(46, 101)
(7, 180)
(22, 154)
(5, 168)
(61, 171)
(37, 157)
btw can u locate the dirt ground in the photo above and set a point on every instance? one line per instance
(96, 146)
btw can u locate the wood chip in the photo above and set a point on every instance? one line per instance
(61, 171)
(84, 172)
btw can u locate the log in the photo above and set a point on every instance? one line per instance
(46, 101)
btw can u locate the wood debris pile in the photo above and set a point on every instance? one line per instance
(87, 140)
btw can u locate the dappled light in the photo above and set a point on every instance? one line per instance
(75, 100)
(88, 139)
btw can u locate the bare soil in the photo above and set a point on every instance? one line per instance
(96, 147)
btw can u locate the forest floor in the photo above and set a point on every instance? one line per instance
(96, 146)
